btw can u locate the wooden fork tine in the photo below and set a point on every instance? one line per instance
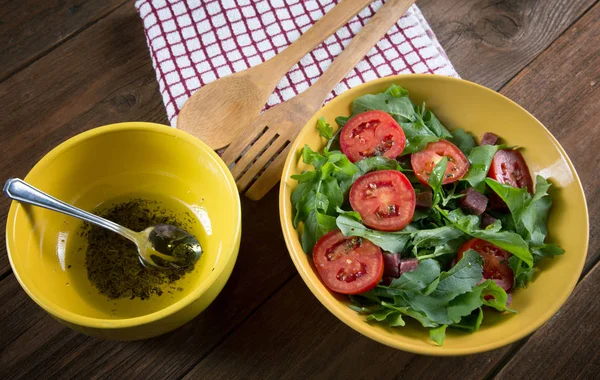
(269, 177)
(258, 146)
(260, 163)
(240, 143)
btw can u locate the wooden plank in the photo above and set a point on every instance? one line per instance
(567, 347)
(561, 98)
(490, 41)
(30, 28)
(14, 318)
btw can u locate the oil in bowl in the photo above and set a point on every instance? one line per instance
(105, 269)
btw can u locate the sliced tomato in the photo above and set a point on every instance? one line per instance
(495, 262)
(385, 200)
(372, 133)
(348, 264)
(424, 161)
(509, 167)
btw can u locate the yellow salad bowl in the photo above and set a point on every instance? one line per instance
(462, 104)
(102, 166)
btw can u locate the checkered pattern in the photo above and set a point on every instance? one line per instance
(194, 42)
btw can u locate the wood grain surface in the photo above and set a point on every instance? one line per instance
(30, 28)
(266, 323)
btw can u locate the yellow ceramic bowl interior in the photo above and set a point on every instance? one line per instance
(111, 164)
(458, 103)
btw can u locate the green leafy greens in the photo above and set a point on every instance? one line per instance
(439, 293)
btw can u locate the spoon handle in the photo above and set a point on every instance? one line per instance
(21, 191)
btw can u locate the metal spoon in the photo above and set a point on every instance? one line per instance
(162, 246)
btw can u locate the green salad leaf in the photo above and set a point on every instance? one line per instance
(508, 240)
(529, 216)
(377, 163)
(394, 101)
(436, 178)
(436, 299)
(393, 242)
(463, 140)
(480, 159)
(320, 192)
(438, 335)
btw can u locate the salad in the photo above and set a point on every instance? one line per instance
(411, 220)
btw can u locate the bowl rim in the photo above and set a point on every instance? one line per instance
(105, 323)
(329, 301)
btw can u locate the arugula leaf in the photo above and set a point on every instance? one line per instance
(352, 214)
(461, 278)
(324, 129)
(425, 320)
(523, 274)
(392, 317)
(464, 304)
(377, 163)
(342, 120)
(321, 191)
(415, 143)
(463, 140)
(530, 218)
(510, 241)
(546, 250)
(500, 298)
(438, 335)
(436, 178)
(434, 124)
(394, 101)
(434, 237)
(315, 226)
(419, 279)
(449, 248)
(393, 242)
(471, 322)
(480, 159)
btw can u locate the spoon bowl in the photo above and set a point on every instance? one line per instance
(167, 246)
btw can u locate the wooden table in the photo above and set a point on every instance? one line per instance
(68, 66)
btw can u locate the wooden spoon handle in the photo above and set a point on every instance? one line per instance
(331, 21)
(368, 37)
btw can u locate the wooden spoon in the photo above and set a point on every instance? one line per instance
(261, 149)
(221, 109)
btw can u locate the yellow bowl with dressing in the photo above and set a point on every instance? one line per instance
(110, 165)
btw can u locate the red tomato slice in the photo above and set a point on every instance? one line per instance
(385, 200)
(509, 167)
(424, 161)
(372, 133)
(348, 264)
(495, 262)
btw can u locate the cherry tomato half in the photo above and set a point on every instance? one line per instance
(509, 167)
(348, 264)
(372, 133)
(385, 200)
(424, 161)
(495, 262)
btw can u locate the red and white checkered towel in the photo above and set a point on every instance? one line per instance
(194, 42)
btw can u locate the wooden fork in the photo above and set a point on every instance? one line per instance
(257, 154)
